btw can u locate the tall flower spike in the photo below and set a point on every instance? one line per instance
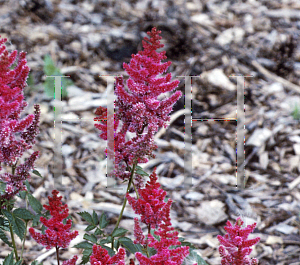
(57, 235)
(235, 247)
(16, 136)
(139, 108)
(12, 103)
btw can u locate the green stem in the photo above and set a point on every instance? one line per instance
(124, 203)
(13, 242)
(136, 191)
(10, 227)
(26, 205)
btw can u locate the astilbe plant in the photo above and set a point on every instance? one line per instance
(142, 113)
(16, 136)
(235, 247)
(58, 234)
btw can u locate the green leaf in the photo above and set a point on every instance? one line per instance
(34, 203)
(139, 170)
(87, 217)
(86, 255)
(90, 227)
(194, 257)
(23, 214)
(51, 70)
(119, 232)
(35, 262)
(2, 187)
(84, 245)
(105, 240)
(91, 238)
(16, 223)
(156, 236)
(9, 260)
(103, 221)
(95, 218)
(109, 250)
(36, 220)
(151, 251)
(98, 232)
(37, 173)
(19, 228)
(116, 244)
(4, 238)
(4, 224)
(27, 185)
(22, 194)
(129, 245)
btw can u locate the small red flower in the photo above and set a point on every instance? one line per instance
(57, 235)
(235, 247)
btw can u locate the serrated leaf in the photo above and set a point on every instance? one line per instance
(105, 240)
(86, 255)
(4, 238)
(91, 238)
(37, 173)
(19, 227)
(36, 220)
(116, 244)
(129, 245)
(98, 232)
(84, 245)
(9, 260)
(34, 203)
(86, 216)
(23, 214)
(119, 232)
(95, 218)
(4, 224)
(103, 221)
(90, 227)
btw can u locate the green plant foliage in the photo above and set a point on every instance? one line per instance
(296, 112)
(50, 69)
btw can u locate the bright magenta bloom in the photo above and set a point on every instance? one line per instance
(57, 235)
(100, 256)
(235, 247)
(139, 108)
(155, 212)
(16, 136)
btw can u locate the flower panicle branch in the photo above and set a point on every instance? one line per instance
(235, 247)
(58, 234)
(156, 213)
(100, 256)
